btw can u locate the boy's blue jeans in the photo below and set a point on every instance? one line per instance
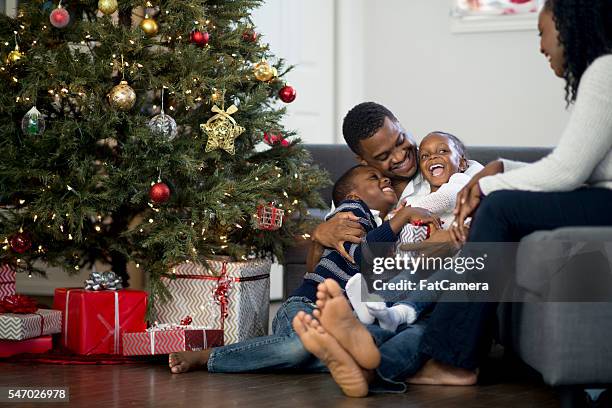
(283, 350)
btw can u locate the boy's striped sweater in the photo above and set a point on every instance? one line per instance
(333, 265)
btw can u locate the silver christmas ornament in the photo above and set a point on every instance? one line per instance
(163, 124)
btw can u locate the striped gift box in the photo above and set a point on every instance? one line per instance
(26, 326)
(7, 280)
(197, 292)
(170, 341)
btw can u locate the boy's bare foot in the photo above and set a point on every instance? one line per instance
(436, 373)
(344, 370)
(184, 361)
(337, 318)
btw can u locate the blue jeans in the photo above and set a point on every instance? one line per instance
(282, 350)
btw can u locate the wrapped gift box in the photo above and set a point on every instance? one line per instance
(37, 345)
(169, 341)
(17, 326)
(7, 280)
(93, 321)
(231, 296)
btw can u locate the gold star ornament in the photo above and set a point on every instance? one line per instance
(222, 130)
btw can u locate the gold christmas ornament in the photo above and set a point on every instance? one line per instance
(222, 130)
(14, 56)
(149, 26)
(264, 72)
(122, 96)
(108, 7)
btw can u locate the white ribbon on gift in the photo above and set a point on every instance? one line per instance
(111, 331)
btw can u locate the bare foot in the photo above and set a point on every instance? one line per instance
(336, 316)
(184, 361)
(436, 373)
(344, 370)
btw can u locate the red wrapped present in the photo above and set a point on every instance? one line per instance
(21, 326)
(37, 345)
(165, 341)
(94, 320)
(7, 280)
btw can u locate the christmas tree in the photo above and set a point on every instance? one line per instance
(128, 133)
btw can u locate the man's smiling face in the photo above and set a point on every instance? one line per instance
(390, 150)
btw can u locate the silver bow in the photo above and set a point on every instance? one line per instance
(103, 281)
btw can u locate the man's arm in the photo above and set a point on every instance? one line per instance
(315, 252)
(333, 233)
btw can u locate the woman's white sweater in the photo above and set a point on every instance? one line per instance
(584, 153)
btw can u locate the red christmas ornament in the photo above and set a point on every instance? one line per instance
(269, 217)
(59, 17)
(159, 192)
(287, 94)
(249, 36)
(199, 38)
(20, 242)
(273, 139)
(186, 321)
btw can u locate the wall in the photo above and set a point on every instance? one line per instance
(489, 88)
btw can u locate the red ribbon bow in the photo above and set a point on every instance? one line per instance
(18, 304)
(221, 293)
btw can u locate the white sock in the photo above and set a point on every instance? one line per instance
(354, 288)
(389, 318)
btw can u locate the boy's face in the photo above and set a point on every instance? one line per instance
(391, 151)
(374, 189)
(439, 159)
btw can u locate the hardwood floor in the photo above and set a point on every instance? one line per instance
(153, 385)
(503, 384)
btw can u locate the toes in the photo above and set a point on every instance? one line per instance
(307, 319)
(316, 313)
(320, 304)
(333, 288)
(298, 323)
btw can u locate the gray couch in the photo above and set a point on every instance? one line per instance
(568, 343)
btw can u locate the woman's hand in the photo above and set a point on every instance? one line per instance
(341, 228)
(468, 200)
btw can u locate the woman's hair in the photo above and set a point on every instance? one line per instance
(585, 31)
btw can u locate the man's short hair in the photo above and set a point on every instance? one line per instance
(362, 122)
(344, 185)
(458, 143)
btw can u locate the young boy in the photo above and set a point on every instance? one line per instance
(361, 190)
(442, 163)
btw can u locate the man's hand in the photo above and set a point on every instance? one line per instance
(468, 200)
(407, 215)
(341, 228)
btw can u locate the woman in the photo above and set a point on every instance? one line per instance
(570, 187)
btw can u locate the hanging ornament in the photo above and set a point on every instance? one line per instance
(59, 17)
(287, 94)
(20, 242)
(33, 123)
(249, 36)
(149, 26)
(159, 192)
(163, 124)
(222, 130)
(199, 38)
(275, 139)
(122, 96)
(264, 72)
(269, 217)
(16, 55)
(108, 7)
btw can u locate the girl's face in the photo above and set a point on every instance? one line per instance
(549, 42)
